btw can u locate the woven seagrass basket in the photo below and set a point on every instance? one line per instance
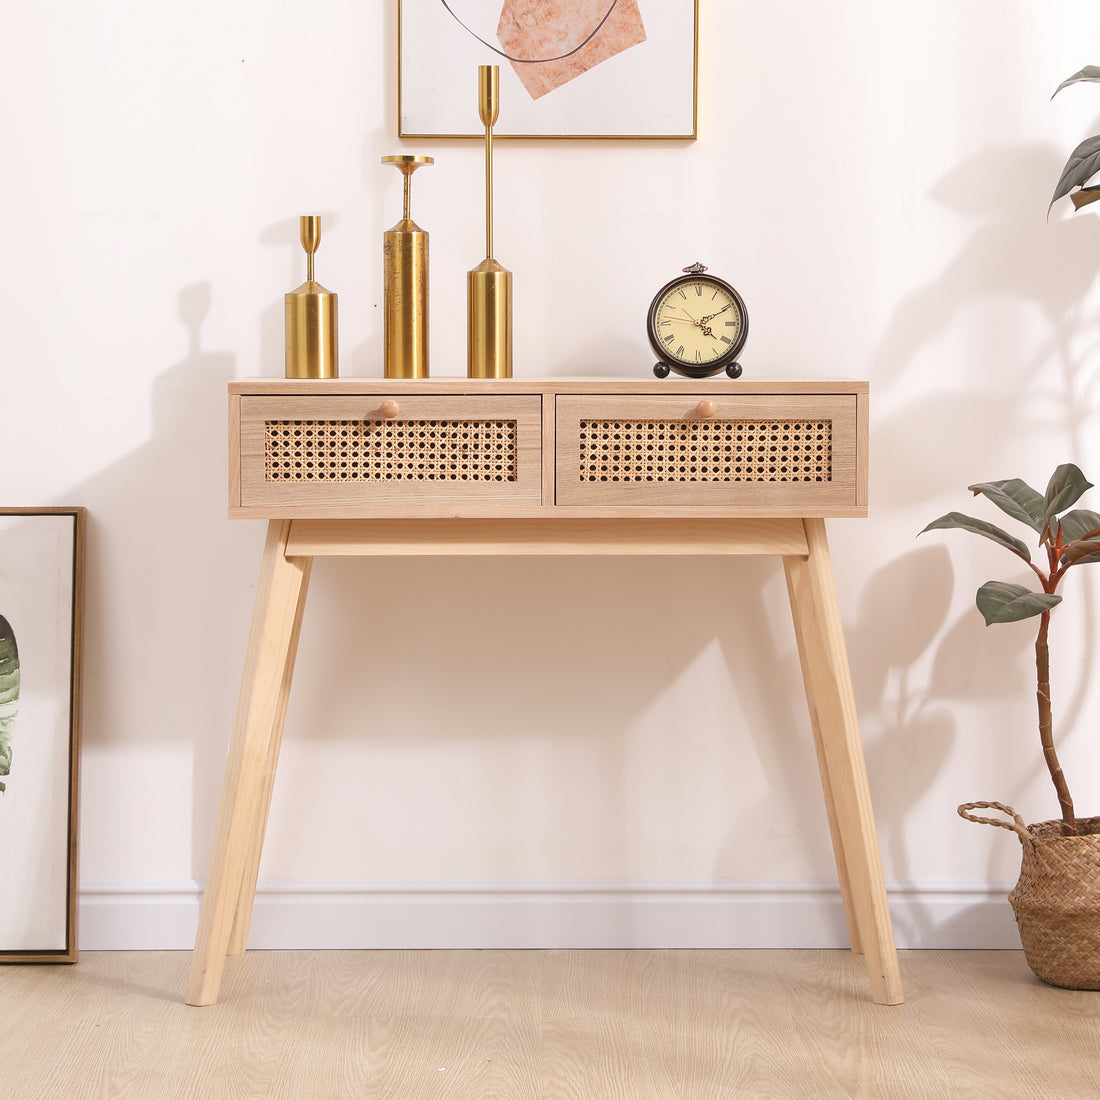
(1057, 898)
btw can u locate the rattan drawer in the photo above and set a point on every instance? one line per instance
(794, 451)
(305, 454)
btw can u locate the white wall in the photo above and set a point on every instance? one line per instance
(615, 749)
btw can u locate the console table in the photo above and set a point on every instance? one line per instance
(561, 466)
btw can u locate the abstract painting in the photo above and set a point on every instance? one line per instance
(41, 602)
(568, 68)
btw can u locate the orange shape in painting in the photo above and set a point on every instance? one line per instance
(533, 29)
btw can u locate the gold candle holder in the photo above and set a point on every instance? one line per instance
(405, 269)
(489, 286)
(311, 344)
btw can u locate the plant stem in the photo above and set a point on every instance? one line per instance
(1046, 726)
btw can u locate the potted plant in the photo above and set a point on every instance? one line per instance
(1084, 161)
(1057, 898)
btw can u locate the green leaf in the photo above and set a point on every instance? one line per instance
(9, 692)
(1080, 524)
(1083, 164)
(1081, 537)
(1082, 553)
(1066, 486)
(1016, 498)
(980, 527)
(1088, 73)
(1001, 602)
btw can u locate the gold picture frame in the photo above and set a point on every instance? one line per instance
(41, 628)
(644, 87)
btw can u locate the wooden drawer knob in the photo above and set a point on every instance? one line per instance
(706, 408)
(390, 409)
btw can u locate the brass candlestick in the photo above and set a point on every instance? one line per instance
(311, 345)
(405, 263)
(489, 286)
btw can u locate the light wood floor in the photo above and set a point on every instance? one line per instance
(514, 1025)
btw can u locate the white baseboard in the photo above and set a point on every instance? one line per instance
(548, 915)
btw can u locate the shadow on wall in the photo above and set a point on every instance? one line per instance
(1018, 395)
(761, 651)
(157, 636)
(904, 622)
(1014, 254)
(902, 609)
(558, 669)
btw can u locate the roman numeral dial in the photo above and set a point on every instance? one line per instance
(697, 324)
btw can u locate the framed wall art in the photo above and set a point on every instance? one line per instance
(41, 613)
(568, 68)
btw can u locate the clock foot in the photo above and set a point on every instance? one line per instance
(661, 370)
(734, 370)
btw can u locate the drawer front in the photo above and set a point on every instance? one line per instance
(318, 454)
(759, 452)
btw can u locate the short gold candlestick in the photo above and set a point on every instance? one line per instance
(311, 341)
(405, 263)
(489, 286)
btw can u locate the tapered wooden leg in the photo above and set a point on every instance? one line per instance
(824, 658)
(790, 566)
(238, 937)
(253, 752)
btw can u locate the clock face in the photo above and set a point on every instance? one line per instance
(698, 323)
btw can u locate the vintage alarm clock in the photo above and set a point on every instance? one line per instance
(697, 325)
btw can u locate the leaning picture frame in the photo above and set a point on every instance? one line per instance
(623, 69)
(41, 625)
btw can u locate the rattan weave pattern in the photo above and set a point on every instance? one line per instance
(390, 450)
(1057, 903)
(706, 450)
(1057, 897)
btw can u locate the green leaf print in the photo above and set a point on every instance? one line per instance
(9, 693)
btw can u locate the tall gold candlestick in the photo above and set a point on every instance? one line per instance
(488, 107)
(312, 349)
(405, 263)
(489, 286)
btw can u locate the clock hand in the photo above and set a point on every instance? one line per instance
(713, 315)
(704, 328)
(701, 325)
